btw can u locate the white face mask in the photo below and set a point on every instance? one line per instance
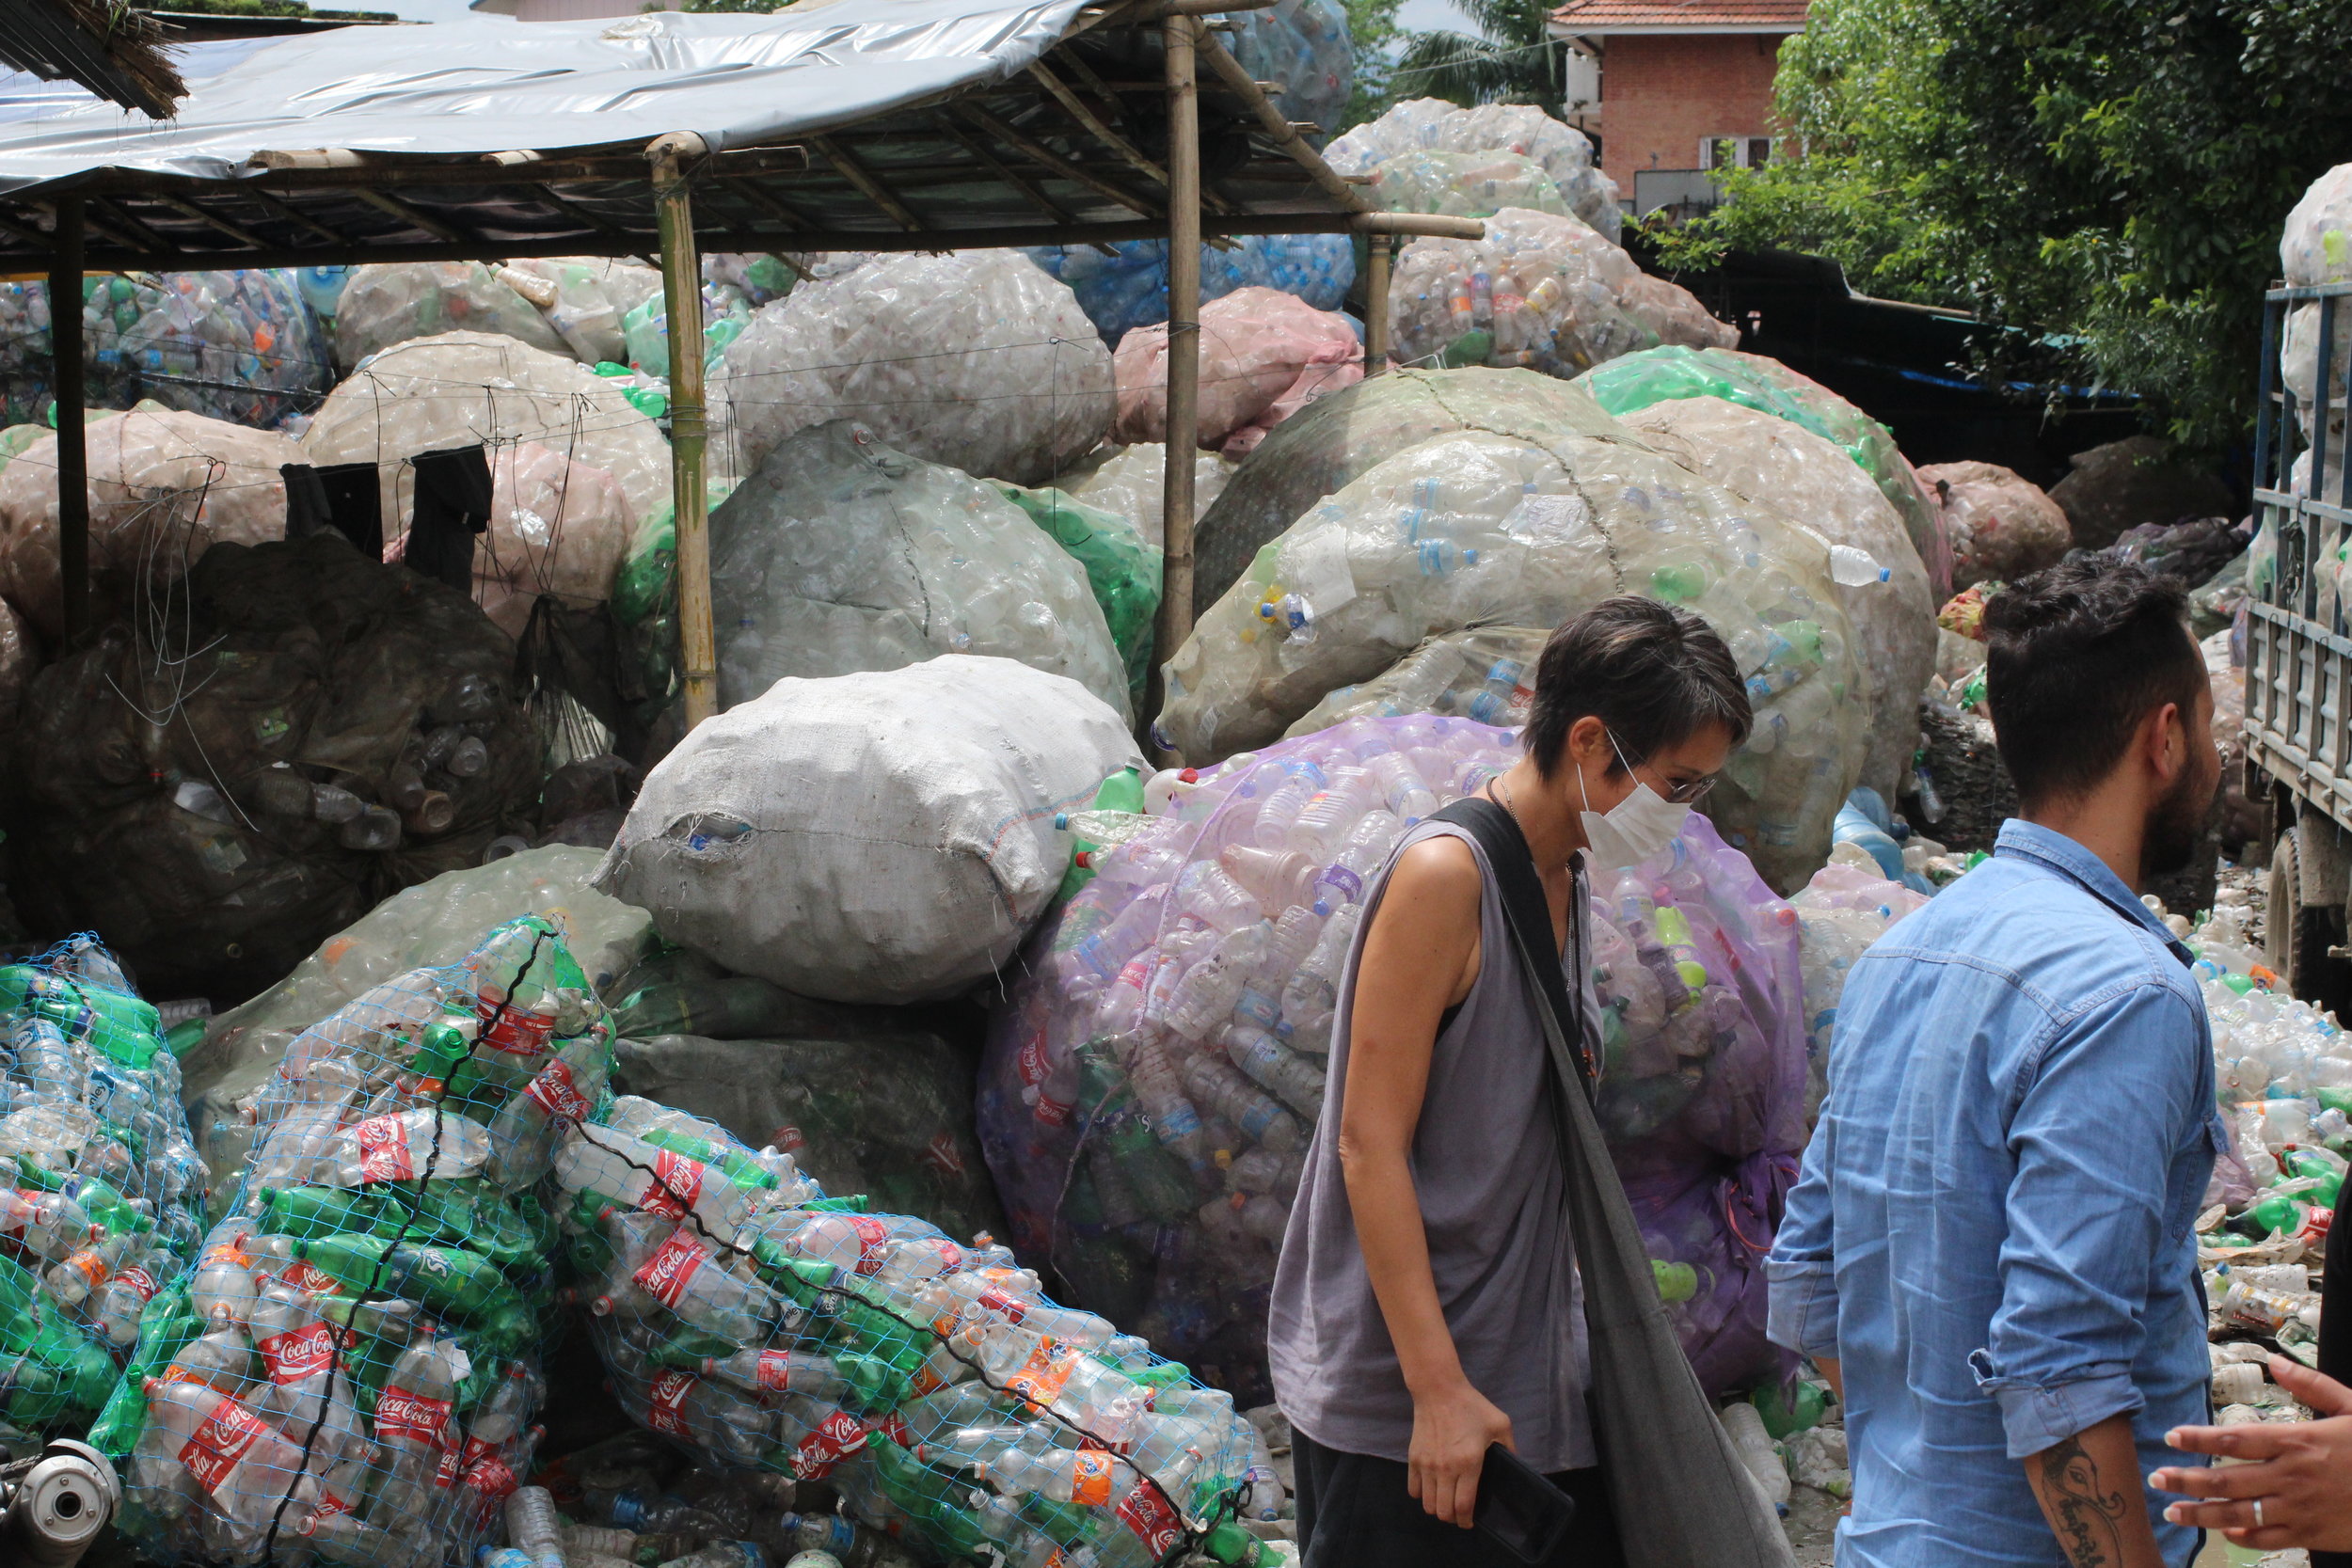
(1633, 830)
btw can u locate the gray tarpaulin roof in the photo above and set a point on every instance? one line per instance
(487, 84)
(836, 124)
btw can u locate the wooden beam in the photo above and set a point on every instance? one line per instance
(1279, 126)
(65, 341)
(1030, 191)
(121, 223)
(287, 212)
(211, 220)
(578, 214)
(1178, 33)
(865, 181)
(1377, 306)
(1036, 152)
(774, 206)
(424, 223)
(682, 299)
(1134, 155)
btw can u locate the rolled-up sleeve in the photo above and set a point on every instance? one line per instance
(2086, 1214)
(1802, 1310)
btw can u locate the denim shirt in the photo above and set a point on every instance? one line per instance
(1994, 1229)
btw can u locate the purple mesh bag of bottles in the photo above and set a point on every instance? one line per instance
(1151, 1087)
(931, 1385)
(348, 1372)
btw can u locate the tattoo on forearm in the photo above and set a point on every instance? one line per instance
(2087, 1516)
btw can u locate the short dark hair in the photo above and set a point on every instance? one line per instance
(1656, 675)
(2077, 655)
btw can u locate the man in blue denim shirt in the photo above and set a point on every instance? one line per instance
(1992, 1245)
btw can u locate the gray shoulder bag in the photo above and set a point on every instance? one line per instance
(1682, 1498)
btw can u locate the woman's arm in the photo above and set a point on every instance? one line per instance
(1420, 958)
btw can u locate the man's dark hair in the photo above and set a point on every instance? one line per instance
(1654, 674)
(2077, 655)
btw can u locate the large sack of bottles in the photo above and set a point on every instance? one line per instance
(350, 1368)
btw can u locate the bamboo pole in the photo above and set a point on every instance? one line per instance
(65, 338)
(1376, 305)
(682, 299)
(1183, 336)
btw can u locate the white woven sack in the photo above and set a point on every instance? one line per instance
(879, 837)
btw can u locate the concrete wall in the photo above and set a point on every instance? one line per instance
(1661, 94)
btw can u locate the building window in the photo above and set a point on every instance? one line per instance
(1734, 152)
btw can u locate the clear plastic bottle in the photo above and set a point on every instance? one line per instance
(407, 1146)
(653, 1180)
(533, 1526)
(237, 1457)
(1754, 1448)
(686, 1276)
(1289, 1076)
(523, 1134)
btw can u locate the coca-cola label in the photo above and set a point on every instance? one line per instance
(831, 1441)
(445, 1468)
(941, 1154)
(893, 1426)
(383, 1149)
(403, 1415)
(677, 1182)
(996, 1301)
(1051, 1111)
(140, 1281)
(330, 1505)
(2315, 1225)
(220, 1444)
(665, 1404)
(554, 1092)
(1041, 1378)
(474, 1452)
(873, 1241)
(520, 1032)
(665, 1274)
(1147, 1511)
(787, 1139)
(298, 1354)
(1091, 1478)
(489, 1481)
(774, 1371)
(1032, 1061)
(304, 1277)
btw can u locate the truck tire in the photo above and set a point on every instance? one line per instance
(2295, 939)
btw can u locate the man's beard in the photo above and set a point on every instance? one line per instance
(2176, 826)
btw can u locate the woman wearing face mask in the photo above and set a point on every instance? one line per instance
(1427, 1303)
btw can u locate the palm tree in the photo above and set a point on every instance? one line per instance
(1514, 60)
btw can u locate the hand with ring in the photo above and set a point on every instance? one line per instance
(2287, 1486)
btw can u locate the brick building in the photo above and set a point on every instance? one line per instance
(1685, 87)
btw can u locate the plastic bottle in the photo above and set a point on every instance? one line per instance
(1853, 568)
(532, 1525)
(1204, 997)
(1290, 1077)
(686, 1276)
(222, 1291)
(523, 1134)
(238, 1457)
(776, 1370)
(653, 1180)
(1755, 1447)
(409, 1145)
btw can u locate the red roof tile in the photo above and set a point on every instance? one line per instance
(1681, 16)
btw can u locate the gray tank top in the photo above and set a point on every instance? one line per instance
(1487, 1167)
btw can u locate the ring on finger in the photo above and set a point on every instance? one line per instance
(2258, 1513)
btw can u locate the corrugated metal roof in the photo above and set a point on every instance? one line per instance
(1601, 18)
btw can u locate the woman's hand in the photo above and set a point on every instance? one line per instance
(1452, 1432)
(2297, 1468)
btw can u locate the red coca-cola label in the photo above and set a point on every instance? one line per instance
(140, 1281)
(893, 1426)
(1147, 1511)
(221, 1443)
(298, 1352)
(1031, 1060)
(554, 1092)
(665, 1402)
(677, 1182)
(446, 1468)
(303, 1276)
(996, 1301)
(403, 1415)
(2315, 1225)
(330, 1505)
(519, 1032)
(474, 1452)
(489, 1483)
(383, 1149)
(941, 1154)
(774, 1371)
(833, 1439)
(665, 1274)
(785, 1139)
(873, 1241)
(1051, 1111)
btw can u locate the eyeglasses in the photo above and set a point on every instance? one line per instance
(1676, 795)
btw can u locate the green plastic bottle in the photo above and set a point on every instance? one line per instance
(1783, 1417)
(449, 1281)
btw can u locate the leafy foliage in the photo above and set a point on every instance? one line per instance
(1513, 59)
(1372, 25)
(2108, 175)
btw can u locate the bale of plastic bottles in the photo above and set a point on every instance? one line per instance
(105, 1204)
(1150, 1091)
(237, 346)
(878, 838)
(568, 305)
(1306, 49)
(1777, 464)
(1124, 286)
(558, 530)
(759, 1322)
(1426, 150)
(2001, 524)
(431, 926)
(1840, 913)
(976, 359)
(163, 487)
(727, 308)
(351, 1369)
(807, 581)
(1133, 482)
(1542, 290)
(878, 1104)
(468, 389)
(1476, 526)
(1264, 354)
(226, 783)
(1640, 380)
(2315, 246)
(1332, 441)
(1122, 569)
(1483, 673)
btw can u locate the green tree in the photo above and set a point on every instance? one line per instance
(2107, 177)
(1513, 59)
(1372, 27)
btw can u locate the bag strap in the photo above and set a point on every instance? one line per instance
(1528, 913)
